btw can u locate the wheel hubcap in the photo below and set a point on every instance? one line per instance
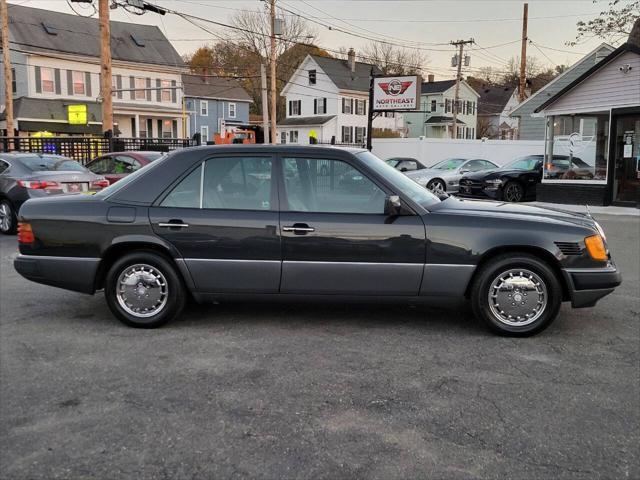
(436, 187)
(142, 290)
(512, 193)
(517, 297)
(5, 217)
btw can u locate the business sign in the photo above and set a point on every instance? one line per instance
(396, 93)
(77, 114)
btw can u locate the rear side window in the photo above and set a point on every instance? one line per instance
(43, 164)
(3, 166)
(237, 183)
(187, 193)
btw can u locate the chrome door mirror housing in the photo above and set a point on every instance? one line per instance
(392, 205)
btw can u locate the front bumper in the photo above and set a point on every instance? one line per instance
(478, 191)
(588, 285)
(70, 273)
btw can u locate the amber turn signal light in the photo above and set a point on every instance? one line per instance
(25, 233)
(595, 247)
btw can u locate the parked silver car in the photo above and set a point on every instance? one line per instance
(445, 175)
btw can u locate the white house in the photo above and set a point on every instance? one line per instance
(329, 98)
(495, 105)
(57, 65)
(435, 118)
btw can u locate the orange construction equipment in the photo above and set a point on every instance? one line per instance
(239, 136)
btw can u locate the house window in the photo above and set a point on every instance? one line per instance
(204, 108)
(140, 86)
(434, 105)
(204, 133)
(347, 106)
(360, 134)
(232, 110)
(447, 106)
(283, 137)
(293, 136)
(312, 77)
(78, 83)
(47, 80)
(347, 134)
(165, 92)
(167, 129)
(460, 132)
(144, 129)
(295, 107)
(361, 107)
(320, 106)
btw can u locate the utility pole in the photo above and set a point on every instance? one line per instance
(8, 76)
(265, 102)
(460, 44)
(523, 55)
(105, 66)
(273, 73)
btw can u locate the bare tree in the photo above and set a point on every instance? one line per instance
(394, 60)
(613, 25)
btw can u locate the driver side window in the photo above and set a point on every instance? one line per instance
(330, 186)
(475, 165)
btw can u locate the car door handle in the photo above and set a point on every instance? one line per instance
(173, 224)
(299, 228)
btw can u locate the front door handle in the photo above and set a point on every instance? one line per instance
(173, 224)
(299, 228)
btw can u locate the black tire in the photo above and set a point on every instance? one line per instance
(8, 218)
(174, 297)
(436, 186)
(512, 191)
(491, 272)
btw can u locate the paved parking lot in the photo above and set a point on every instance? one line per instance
(282, 391)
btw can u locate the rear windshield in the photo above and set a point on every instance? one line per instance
(114, 187)
(45, 163)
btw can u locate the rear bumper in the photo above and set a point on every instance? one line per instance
(588, 285)
(70, 273)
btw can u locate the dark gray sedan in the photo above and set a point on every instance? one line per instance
(32, 175)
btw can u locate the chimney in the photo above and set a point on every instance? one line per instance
(634, 36)
(431, 78)
(351, 59)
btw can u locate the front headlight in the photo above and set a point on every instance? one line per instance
(493, 182)
(420, 180)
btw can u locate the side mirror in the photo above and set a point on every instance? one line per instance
(465, 170)
(404, 169)
(392, 205)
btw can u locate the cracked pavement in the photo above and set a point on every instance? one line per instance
(283, 391)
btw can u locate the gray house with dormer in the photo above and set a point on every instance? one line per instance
(531, 125)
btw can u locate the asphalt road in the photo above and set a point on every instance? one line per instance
(281, 391)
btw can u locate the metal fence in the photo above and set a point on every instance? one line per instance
(84, 149)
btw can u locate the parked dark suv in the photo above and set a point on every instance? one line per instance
(241, 221)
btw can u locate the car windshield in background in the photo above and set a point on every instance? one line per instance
(524, 163)
(418, 194)
(114, 187)
(449, 164)
(393, 162)
(45, 163)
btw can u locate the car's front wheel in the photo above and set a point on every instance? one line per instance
(512, 192)
(516, 295)
(437, 186)
(144, 290)
(8, 220)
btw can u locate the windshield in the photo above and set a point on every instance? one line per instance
(418, 194)
(393, 162)
(114, 187)
(45, 163)
(523, 163)
(449, 164)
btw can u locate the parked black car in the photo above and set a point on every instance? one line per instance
(240, 221)
(32, 175)
(514, 182)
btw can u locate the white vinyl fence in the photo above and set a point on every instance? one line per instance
(432, 150)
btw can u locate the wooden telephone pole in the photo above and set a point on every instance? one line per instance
(460, 44)
(273, 73)
(105, 66)
(8, 76)
(523, 55)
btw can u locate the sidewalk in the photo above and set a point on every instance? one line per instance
(610, 210)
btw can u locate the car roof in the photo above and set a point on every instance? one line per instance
(257, 147)
(135, 152)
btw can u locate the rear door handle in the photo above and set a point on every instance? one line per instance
(299, 228)
(173, 224)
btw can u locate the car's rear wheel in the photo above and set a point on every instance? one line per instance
(144, 290)
(512, 192)
(436, 186)
(516, 294)
(8, 219)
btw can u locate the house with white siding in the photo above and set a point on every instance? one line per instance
(328, 98)
(56, 60)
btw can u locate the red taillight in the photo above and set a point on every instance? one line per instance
(38, 184)
(100, 183)
(25, 233)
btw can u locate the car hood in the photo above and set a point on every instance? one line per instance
(514, 211)
(426, 172)
(495, 173)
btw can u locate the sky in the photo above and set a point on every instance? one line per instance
(428, 25)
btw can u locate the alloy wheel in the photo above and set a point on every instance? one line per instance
(142, 290)
(6, 217)
(436, 187)
(512, 192)
(517, 297)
